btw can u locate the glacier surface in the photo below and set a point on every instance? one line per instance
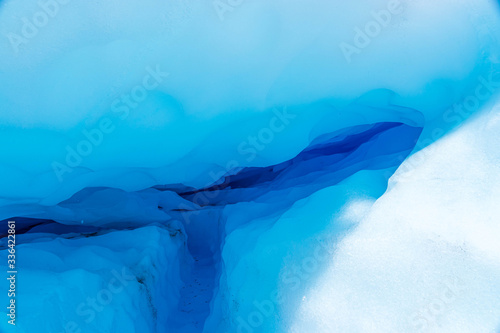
(251, 166)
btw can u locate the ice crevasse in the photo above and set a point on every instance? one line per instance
(252, 166)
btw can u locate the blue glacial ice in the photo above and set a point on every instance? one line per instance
(251, 166)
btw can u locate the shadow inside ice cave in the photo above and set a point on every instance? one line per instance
(200, 216)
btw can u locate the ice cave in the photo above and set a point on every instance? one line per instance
(249, 166)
